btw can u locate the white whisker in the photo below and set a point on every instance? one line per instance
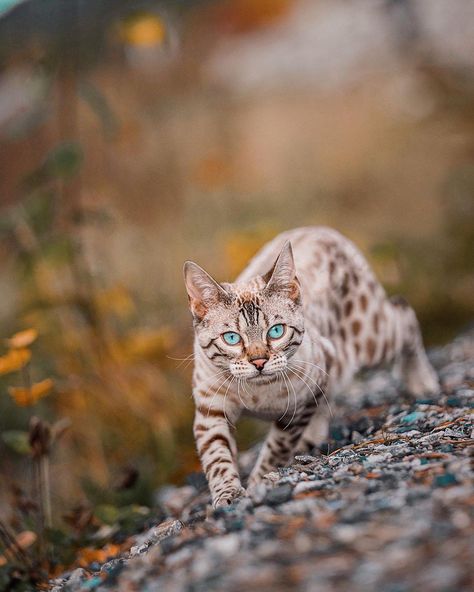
(295, 405)
(311, 364)
(244, 387)
(295, 401)
(307, 385)
(187, 359)
(287, 395)
(306, 375)
(239, 383)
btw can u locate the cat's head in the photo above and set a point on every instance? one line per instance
(251, 329)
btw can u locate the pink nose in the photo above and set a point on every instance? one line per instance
(259, 363)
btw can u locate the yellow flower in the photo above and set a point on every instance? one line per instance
(14, 360)
(25, 397)
(22, 338)
(144, 30)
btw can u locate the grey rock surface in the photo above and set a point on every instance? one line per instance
(386, 505)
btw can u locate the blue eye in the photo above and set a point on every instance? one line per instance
(276, 331)
(231, 338)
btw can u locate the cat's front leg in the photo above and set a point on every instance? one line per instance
(280, 443)
(217, 450)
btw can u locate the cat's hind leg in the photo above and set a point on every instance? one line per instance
(412, 362)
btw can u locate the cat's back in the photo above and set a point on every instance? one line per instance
(321, 254)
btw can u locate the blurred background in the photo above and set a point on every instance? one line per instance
(137, 134)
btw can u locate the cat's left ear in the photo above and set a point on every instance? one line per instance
(282, 276)
(203, 290)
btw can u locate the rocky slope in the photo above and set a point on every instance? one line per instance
(389, 508)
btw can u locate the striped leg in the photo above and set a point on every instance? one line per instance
(281, 442)
(217, 450)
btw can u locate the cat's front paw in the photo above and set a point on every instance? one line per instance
(228, 496)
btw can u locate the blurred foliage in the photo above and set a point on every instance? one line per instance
(111, 387)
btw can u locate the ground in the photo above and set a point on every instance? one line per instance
(387, 506)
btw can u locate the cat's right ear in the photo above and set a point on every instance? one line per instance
(203, 290)
(282, 276)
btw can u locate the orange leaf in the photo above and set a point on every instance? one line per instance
(14, 360)
(87, 555)
(25, 539)
(22, 338)
(24, 397)
(144, 30)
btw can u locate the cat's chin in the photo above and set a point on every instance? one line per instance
(264, 378)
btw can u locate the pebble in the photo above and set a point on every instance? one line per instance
(309, 486)
(413, 417)
(279, 494)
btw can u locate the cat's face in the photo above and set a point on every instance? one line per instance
(251, 330)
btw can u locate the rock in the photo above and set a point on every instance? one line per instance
(305, 486)
(305, 459)
(445, 480)
(279, 494)
(413, 417)
(75, 580)
(155, 535)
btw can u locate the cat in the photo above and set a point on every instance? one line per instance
(303, 317)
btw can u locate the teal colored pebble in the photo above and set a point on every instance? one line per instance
(445, 480)
(92, 583)
(413, 417)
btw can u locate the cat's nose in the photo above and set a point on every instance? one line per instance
(259, 363)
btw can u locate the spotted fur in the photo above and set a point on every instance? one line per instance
(337, 319)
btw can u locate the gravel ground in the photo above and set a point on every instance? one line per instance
(388, 508)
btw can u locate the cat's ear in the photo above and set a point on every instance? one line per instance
(282, 276)
(203, 290)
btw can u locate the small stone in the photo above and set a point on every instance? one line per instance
(454, 402)
(76, 577)
(279, 495)
(445, 480)
(304, 486)
(271, 477)
(155, 535)
(92, 583)
(305, 459)
(413, 417)
(225, 545)
(446, 448)
(374, 459)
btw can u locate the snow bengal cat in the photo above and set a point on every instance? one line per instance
(304, 316)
